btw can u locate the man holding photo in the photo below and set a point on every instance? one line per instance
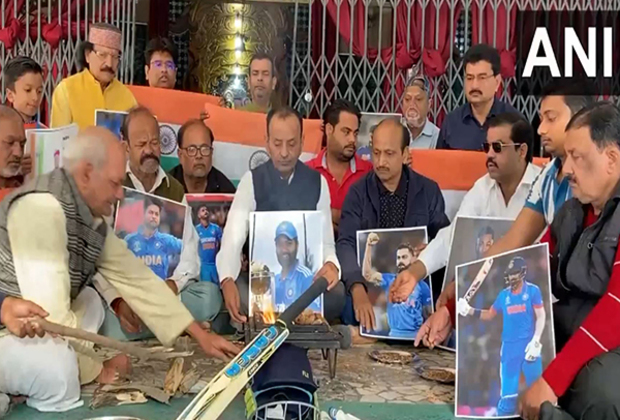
(210, 239)
(523, 316)
(153, 247)
(404, 318)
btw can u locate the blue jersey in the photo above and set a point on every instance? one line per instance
(406, 316)
(290, 288)
(547, 195)
(210, 239)
(518, 312)
(155, 251)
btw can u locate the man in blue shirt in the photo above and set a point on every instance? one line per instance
(156, 249)
(523, 315)
(210, 239)
(294, 278)
(465, 128)
(404, 318)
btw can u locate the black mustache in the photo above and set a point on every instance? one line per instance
(490, 160)
(145, 157)
(475, 91)
(107, 70)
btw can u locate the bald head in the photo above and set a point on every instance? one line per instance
(12, 142)
(96, 160)
(393, 129)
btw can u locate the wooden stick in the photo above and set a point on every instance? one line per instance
(100, 340)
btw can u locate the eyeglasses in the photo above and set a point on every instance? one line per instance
(159, 65)
(193, 150)
(104, 55)
(497, 146)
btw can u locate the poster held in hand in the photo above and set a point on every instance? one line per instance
(471, 238)
(504, 327)
(285, 255)
(382, 254)
(45, 146)
(112, 120)
(209, 215)
(153, 229)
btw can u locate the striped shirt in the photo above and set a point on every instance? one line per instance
(547, 194)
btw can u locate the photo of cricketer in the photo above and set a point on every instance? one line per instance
(209, 214)
(153, 230)
(383, 253)
(517, 341)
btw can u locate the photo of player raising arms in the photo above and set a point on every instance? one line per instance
(385, 253)
(511, 332)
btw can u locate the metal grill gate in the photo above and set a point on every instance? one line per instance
(326, 66)
(50, 31)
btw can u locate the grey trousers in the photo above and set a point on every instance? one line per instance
(593, 395)
(333, 301)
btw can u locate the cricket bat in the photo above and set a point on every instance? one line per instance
(480, 277)
(215, 397)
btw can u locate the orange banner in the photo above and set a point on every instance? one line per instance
(453, 169)
(172, 106)
(250, 128)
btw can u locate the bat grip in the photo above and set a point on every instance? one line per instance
(317, 288)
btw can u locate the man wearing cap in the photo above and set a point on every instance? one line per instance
(77, 97)
(416, 103)
(294, 278)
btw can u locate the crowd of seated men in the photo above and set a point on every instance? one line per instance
(82, 275)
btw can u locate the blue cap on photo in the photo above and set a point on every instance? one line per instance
(287, 229)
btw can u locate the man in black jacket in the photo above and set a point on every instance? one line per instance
(392, 196)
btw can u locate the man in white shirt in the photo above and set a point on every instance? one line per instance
(202, 298)
(283, 183)
(500, 193)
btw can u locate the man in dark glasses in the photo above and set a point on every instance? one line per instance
(160, 57)
(500, 193)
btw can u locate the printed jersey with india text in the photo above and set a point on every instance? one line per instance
(406, 316)
(288, 289)
(155, 251)
(210, 239)
(517, 310)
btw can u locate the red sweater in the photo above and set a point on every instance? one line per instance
(599, 333)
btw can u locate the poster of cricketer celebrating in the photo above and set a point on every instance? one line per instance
(209, 214)
(504, 327)
(286, 251)
(152, 228)
(382, 254)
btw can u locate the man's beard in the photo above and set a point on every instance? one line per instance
(402, 267)
(149, 164)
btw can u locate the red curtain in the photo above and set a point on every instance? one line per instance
(495, 22)
(410, 19)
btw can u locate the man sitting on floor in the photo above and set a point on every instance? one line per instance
(201, 297)
(283, 183)
(52, 241)
(392, 196)
(501, 193)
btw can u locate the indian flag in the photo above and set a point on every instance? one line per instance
(240, 142)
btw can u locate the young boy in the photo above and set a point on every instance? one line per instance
(24, 88)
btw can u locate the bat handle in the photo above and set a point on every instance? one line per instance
(317, 288)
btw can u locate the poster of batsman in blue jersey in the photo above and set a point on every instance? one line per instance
(516, 330)
(383, 254)
(286, 248)
(153, 230)
(209, 212)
